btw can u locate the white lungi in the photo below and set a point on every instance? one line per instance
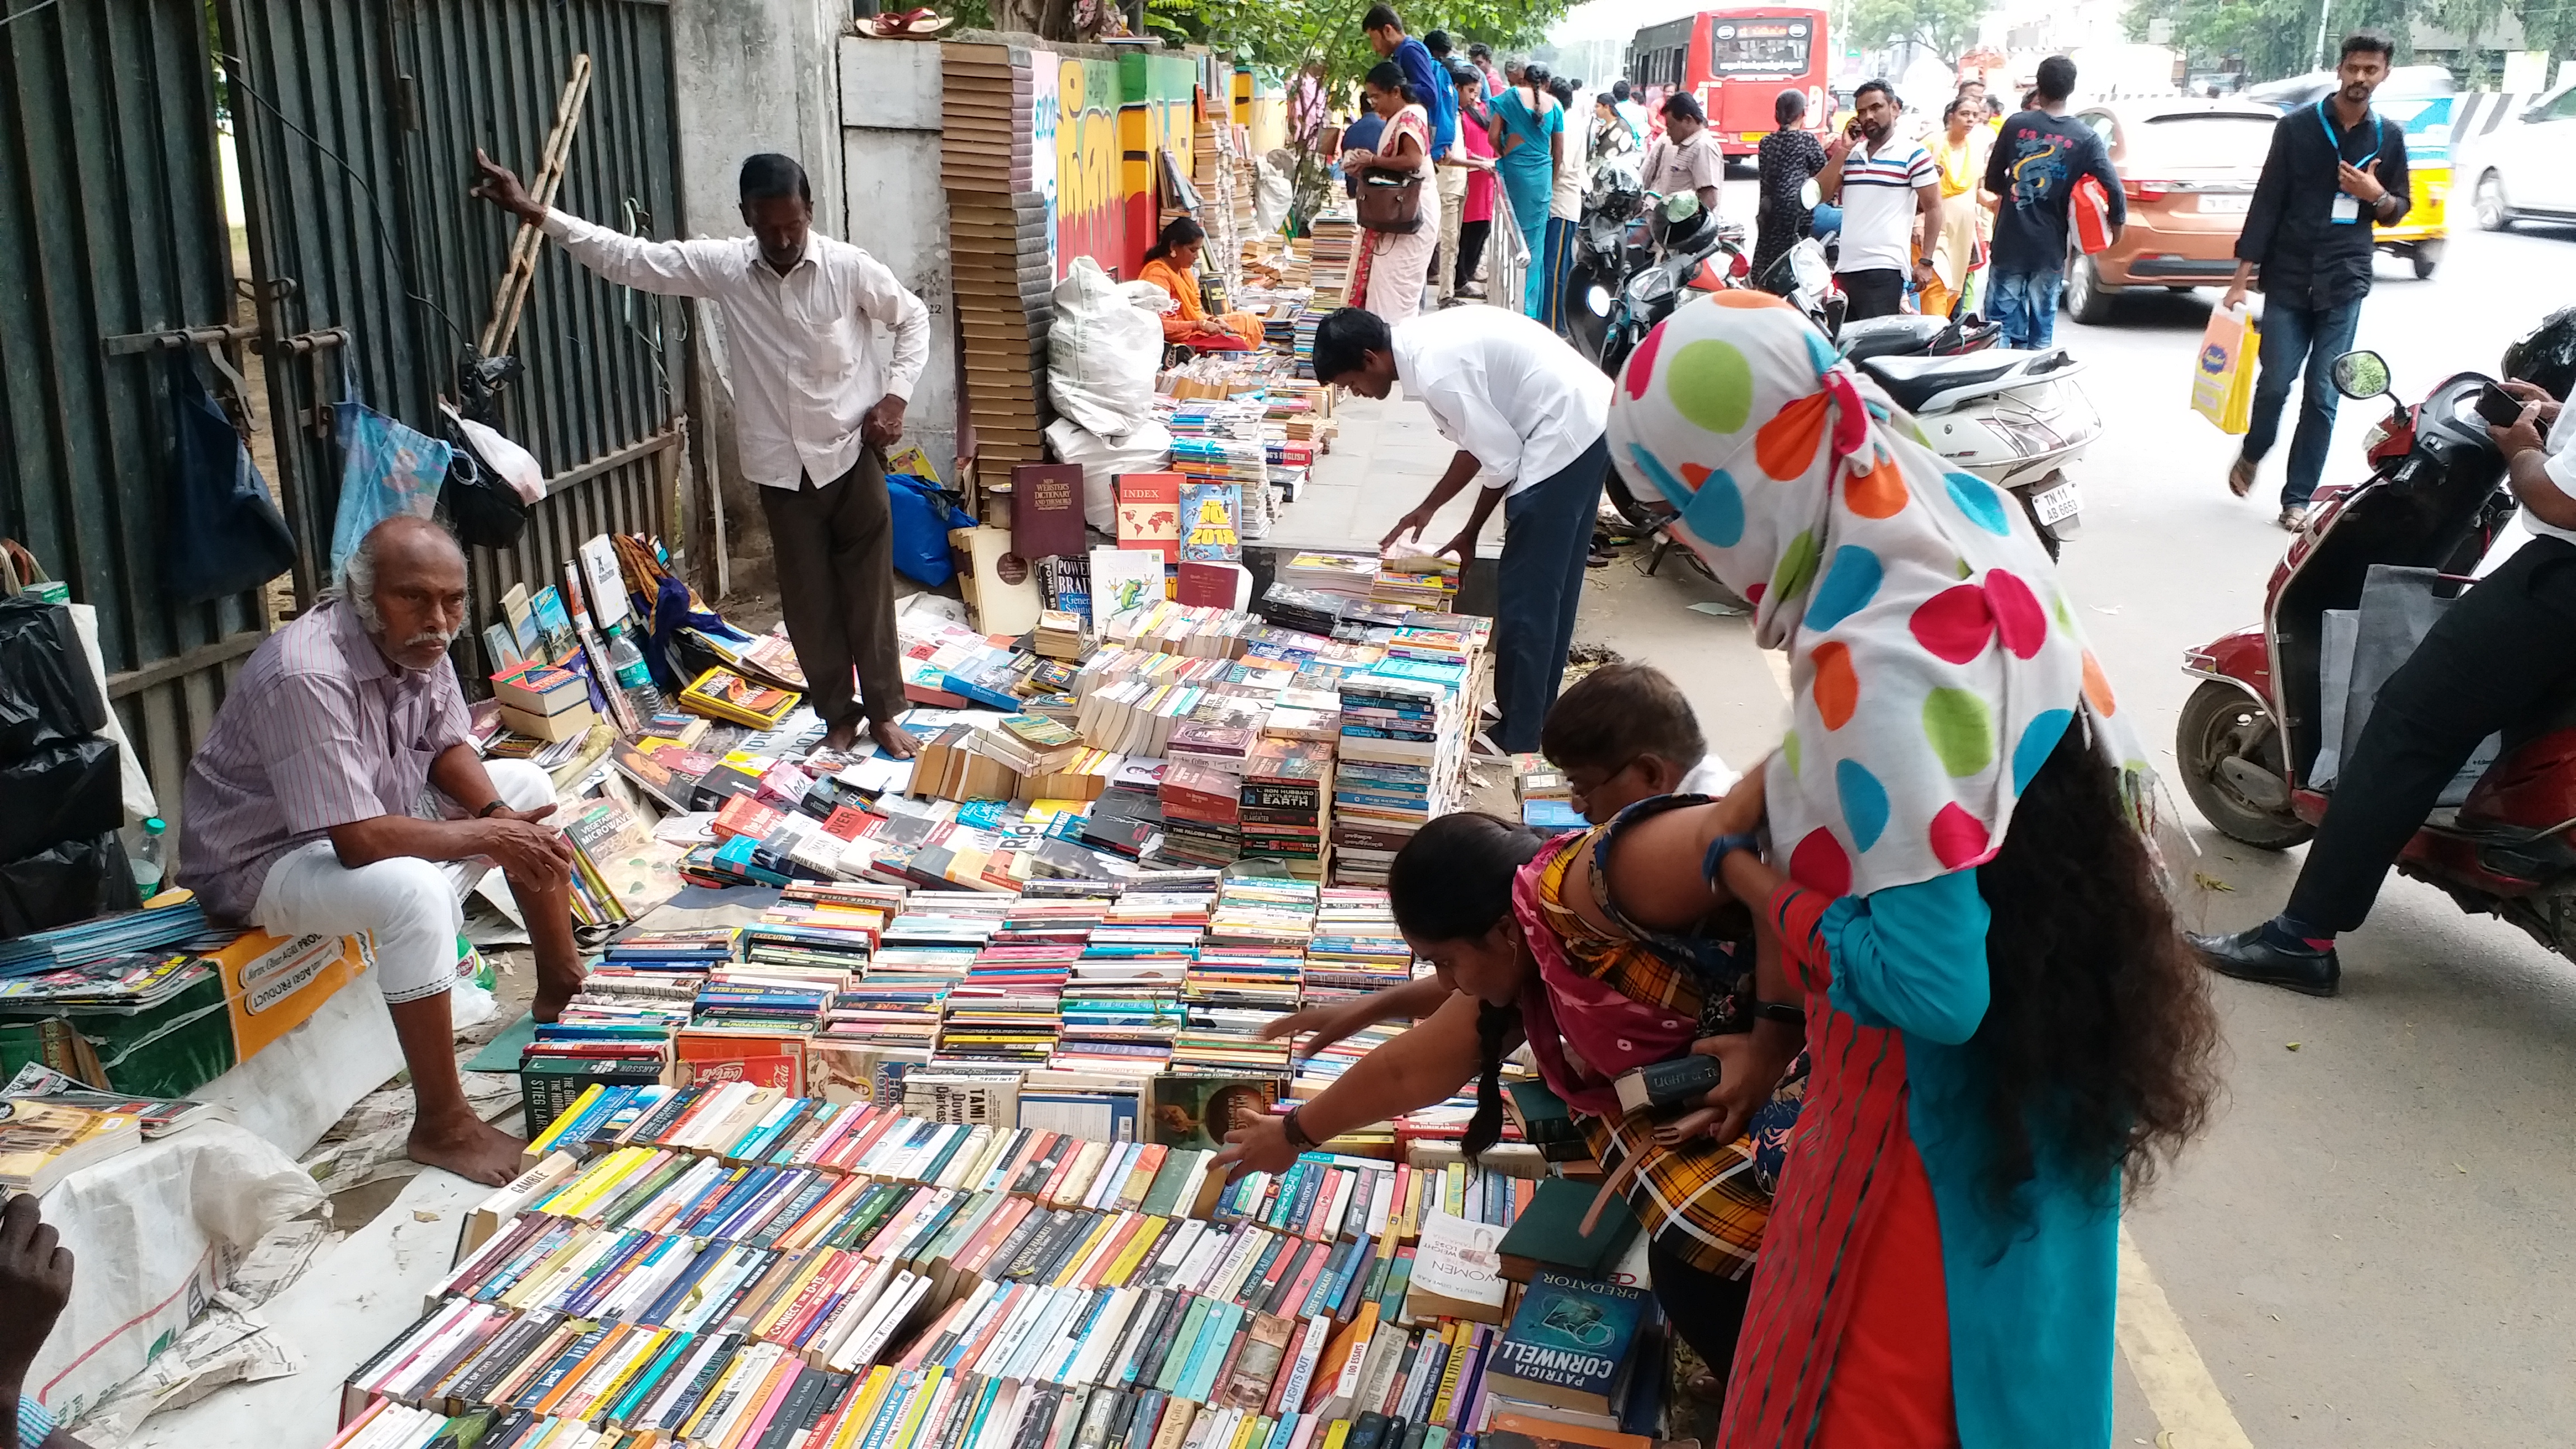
(414, 908)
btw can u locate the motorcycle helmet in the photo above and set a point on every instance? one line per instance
(2545, 356)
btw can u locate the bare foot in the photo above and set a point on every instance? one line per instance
(554, 991)
(896, 741)
(840, 739)
(471, 1148)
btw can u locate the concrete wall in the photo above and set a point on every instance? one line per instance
(889, 157)
(750, 76)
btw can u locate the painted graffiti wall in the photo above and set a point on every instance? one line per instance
(1089, 218)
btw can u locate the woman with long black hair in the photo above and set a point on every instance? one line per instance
(2004, 1027)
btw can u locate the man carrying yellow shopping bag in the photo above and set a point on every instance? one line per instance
(2335, 169)
(2222, 378)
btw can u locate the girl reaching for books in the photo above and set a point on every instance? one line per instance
(1530, 943)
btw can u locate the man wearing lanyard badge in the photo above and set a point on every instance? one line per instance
(2335, 171)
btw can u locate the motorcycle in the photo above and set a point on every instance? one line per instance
(1698, 253)
(2251, 736)
(2016, 419)
(1612, 247)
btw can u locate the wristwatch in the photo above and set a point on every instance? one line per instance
(486, 812)
(1295, 1129)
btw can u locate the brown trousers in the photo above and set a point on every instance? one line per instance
(835, 549)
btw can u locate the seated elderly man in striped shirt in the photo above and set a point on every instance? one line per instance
(339, 792)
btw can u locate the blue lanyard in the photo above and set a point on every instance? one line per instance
(2335, 143)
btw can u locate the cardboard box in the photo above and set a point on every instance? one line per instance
(264, 987)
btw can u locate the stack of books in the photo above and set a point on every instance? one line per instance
(1059, 635)
(1356, 948)
(998, 231)
(543, 702)
(1401, 761)
(704, 1265)
(1285, 804)
(1333, 234)
(1345, 575)
(722, 694)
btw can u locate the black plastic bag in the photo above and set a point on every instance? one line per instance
(485, 511)
(59, 792)
(47, 693)
(225, 536)
(74, 881)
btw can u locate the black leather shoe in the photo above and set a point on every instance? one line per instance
(2248, 957)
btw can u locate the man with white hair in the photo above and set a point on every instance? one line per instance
(339, 792)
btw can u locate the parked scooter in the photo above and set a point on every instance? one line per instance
(2014, 418)
(2250, 737)
(1622, 284)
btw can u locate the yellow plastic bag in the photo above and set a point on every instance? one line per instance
(2222, 379)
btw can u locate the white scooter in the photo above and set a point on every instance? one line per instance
(2016, 419)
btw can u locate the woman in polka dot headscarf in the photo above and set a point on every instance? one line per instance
(2003, 1025)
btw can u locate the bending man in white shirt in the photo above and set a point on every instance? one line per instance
(1528, 413)
(815, 408)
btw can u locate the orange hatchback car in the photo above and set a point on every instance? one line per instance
(2189, 169)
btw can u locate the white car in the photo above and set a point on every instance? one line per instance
(2523, 166)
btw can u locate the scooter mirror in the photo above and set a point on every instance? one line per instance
(1810, 195)
(2360, 375)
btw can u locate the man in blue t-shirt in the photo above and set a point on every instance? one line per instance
(1423, 76)
(2037, 159)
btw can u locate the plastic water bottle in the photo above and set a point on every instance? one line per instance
(146, 858)
(634, 680)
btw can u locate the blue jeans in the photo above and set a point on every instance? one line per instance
(2024, 304)
(1547, 532)
(2297, 338)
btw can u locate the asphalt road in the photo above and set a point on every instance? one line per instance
(2373, 1244)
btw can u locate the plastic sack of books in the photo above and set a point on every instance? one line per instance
(47, 693)
(1101, 353)
(1146, 448)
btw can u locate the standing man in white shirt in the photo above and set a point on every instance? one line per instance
(1889, 190)
(1527, 412)
(817, 407)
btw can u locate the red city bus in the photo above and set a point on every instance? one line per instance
(1736, 63)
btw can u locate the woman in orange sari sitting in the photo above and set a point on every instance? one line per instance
(1172, 264)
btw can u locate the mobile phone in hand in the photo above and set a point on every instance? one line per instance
(2497, 406)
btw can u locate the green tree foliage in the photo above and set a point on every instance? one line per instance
(1944, 27)
(1289, 36)
(2270, 39)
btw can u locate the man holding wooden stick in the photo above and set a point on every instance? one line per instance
(817, 407)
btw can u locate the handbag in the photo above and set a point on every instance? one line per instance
(1390, 200)
(224, 534)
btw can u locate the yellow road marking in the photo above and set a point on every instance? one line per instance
(2177, 1385)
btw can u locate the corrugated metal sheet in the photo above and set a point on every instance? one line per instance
(357, 121)
(363, 118)
(111, 224)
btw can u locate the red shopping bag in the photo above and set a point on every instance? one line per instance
(2089, 207)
